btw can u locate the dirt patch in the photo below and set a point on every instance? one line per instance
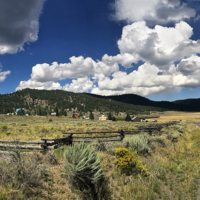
(196, 124)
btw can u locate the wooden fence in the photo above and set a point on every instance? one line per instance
(71, 137)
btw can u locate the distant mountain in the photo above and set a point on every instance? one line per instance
(189, 102)
(46, 101)
(181, 105)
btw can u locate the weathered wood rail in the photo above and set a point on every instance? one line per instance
(71, 137)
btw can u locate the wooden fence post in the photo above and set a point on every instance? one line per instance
(44, 146)
(70, 139)
(122, 134)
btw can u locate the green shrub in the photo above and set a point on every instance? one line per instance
(50, 120)
(138, 143)
(82, 166)
(3, 196)
(128, 162)
(4, 128)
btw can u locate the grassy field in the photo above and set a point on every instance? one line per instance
(171, 158)
(177, 116)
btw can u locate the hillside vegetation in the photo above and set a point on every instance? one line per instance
(45, 102)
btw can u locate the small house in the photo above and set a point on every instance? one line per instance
(19, 109)
(53, 114)
(136, 119)
(102, 117)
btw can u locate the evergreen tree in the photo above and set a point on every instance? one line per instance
(109, 116)
(114, 119)
(91, 116)
(21, 112)
(80, 114)
(65, 113)
(128, 118)
(40, 112)
(56, 110)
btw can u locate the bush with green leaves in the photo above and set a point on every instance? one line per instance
(138, 143)
(82, 166)
(3, 196)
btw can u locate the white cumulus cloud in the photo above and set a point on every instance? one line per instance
(159, 11)
(32, 84)
(160, 46)
(79, 85)
(3, 75)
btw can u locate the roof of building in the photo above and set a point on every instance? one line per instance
(134, 118)
(19, 109)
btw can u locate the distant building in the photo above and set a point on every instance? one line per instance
(86, 117)
(53, 114)
(136, 119)
(76, 116)
(19, 109)
(102, 117)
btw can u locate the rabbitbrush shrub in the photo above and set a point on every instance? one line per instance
(138, 143)
(128, 162)
(82, 166)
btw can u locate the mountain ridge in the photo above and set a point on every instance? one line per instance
(48, 100)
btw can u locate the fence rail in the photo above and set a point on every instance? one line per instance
(71, 137)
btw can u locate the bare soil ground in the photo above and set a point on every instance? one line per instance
(196, 123)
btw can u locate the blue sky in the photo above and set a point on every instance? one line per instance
(150, 48)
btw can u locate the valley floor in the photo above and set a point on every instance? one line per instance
(171, 157)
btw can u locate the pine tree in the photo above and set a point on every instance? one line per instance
(128, 118)
(91, 116)
(65, 113)
(109, 116)
(80, 114)
(56, 110)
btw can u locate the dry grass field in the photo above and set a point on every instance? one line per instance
(171, 157)
(177, 116)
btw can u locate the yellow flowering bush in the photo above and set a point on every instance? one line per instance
(128, 162)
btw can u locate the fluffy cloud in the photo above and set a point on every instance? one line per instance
(44, 75)
(190, 66)
(3, 75)
(161, 11)
(49, 85)
(160, 46)
(146, 81)
(77, 68)
(79, 85)
(143, 81)
(125, 59)
(18, 23)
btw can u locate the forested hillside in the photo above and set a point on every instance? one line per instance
(48, 101)
(44, 102)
